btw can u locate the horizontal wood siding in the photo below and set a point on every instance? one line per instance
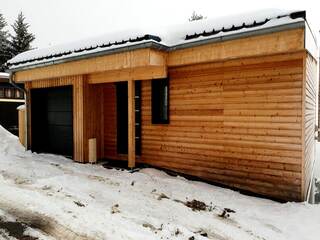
(236, 122)
(262, 45)
(309, 120)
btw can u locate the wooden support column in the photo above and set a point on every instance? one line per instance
(79, 119)
(131, 125)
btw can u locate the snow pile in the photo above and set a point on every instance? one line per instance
(113, 204)
(4, 75)
(171, 36)
(175, 35)
(9, 144)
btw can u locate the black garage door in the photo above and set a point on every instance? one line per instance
(51, 120)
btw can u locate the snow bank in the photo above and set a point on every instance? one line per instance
(9, 143)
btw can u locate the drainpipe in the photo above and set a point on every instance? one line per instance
(26, 109)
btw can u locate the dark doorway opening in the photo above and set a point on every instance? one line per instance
(122, 117)
(52, 121)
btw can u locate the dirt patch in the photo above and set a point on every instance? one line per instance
(16, 230)
(226, 213)
(317, 191)
(152, 228)
(43, 224)
(163, 196)
(115, 209)
(196, 205)
(79, 204)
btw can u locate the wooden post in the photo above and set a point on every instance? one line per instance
(92, 150)
(131, 125)
(22, 125)
(80, 141)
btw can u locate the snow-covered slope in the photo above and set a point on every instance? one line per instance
(113, 204)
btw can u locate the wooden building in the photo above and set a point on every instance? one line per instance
(10, 98)
(230, 103)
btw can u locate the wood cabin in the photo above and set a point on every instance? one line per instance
(11, 97)
(233, 103)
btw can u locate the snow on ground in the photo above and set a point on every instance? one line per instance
(114, 204)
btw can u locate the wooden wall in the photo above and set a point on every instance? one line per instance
(309, 105)
(236, 122)
(109, 126)
(79, 90)
(100, 119)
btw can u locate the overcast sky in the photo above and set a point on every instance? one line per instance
(58, 21)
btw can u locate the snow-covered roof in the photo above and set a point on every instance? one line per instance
(4, 75)
(169, 37)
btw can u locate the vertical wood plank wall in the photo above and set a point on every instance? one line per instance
(109, 126)
(79, 127)
(311, 82)
(236, 122)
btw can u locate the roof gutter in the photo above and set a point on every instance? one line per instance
(158, 46)
(258, 32)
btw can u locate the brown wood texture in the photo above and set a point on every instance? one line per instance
(309, 106)
(22, 126)
(235, 122)
(141, 73)
(130, 61)
(109, 124)
(80, 89)
(278, 42)
(131, 125)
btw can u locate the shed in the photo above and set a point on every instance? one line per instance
(230, 100)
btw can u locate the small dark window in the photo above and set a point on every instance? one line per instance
(160, 101)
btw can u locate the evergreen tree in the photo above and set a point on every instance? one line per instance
(4, 43)
(22, 38)
(195, 17)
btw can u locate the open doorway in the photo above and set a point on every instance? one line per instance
(122, 117)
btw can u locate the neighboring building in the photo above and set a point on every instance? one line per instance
(230, 100)
(10, 99)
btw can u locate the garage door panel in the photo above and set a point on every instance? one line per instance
(59, 105)
(60, 118)
(52, 120)
(63, 134)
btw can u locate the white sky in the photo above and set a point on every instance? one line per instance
(59, 21)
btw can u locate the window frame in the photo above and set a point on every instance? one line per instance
(156, 117)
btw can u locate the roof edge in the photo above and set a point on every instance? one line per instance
(253, 33)
(159, 46)
(150, 44)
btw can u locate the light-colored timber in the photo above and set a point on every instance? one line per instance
(129, 64)
(242, 112)
(22, 126)
(131, 124)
